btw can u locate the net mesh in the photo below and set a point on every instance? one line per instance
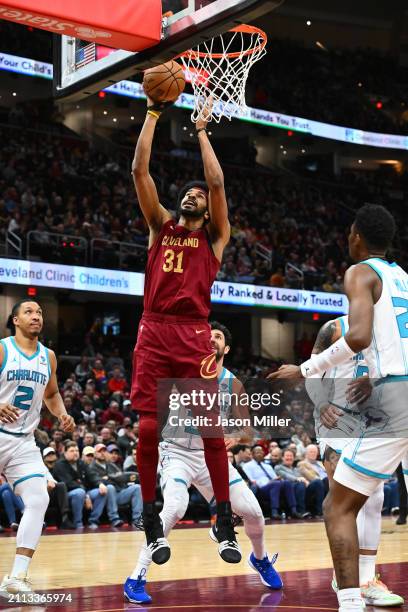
(219, 69)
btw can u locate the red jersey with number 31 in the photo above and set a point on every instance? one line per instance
(181, 268)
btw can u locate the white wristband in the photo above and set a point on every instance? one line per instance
(337, 353)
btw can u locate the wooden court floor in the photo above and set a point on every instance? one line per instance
(93, 566)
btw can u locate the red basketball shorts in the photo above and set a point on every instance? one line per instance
(170, 347)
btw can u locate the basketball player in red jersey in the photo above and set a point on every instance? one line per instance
(174, 337)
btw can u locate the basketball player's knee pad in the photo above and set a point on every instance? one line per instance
(369, 520)
(175, 503)
(245, 504)
(36, 499)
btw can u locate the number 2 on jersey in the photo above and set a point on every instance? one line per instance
(402, 318)
(169, 257)
(23, 398)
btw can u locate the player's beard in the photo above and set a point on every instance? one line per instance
(219, 355)
(194, 213)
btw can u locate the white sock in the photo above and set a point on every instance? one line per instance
(350, 599)
(21, 563)
(143, 564)
(367, 568)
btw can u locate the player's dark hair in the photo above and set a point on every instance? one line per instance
(198, 184)
(220, 327)
(238, 448)
(376, 225)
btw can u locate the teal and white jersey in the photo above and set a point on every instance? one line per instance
(23, 380)
(188, 437)
(388, 352)
(334, 388)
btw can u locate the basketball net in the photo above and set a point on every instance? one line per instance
(219, 69)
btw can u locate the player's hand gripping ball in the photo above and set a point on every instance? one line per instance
(164, 83)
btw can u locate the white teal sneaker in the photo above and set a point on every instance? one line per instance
(376, 593)
(13, 585)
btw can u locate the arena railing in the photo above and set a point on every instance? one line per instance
(113, 253)
(57, 248)
(13, 245)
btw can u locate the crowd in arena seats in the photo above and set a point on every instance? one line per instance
(68, 193)
(310, 81)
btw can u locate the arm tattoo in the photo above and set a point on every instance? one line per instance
(325, 337)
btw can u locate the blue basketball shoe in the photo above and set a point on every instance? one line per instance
(134, 590)
(268, 574)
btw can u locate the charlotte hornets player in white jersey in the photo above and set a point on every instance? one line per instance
(27, 378)
(378, 298)
(331, 393)
(182, 465)
(338, 422)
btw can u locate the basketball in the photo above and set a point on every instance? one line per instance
(164, 83)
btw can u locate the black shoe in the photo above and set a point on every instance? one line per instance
(296, 515)
(117, 523)
(67, 524)
(156, 542)
(275, 515)
(401, 520)
(138, 524)
(224, 530)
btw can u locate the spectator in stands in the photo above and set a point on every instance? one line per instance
(99, 374)
(122, 487)
(11, 503)
(242, 454)
(115, 455)
(88, 454)
(269, 486)
(277, 279)
(106, 436)
(57, 436)
(117, 384)
(287, 471)
(130, 463)
(57, 490)
(127, 440)
(83, 370)
(115, 361)
(71, 386)
(112, 413)
(78, 479)
(275, 457)
(314, 472)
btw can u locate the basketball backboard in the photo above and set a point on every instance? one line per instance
(82, 68)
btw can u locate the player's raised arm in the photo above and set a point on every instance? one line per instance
(219, 226)
(154, 213)
(53, 399)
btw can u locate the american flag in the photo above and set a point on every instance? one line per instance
(85, 55)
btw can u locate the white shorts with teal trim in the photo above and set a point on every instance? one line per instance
(337, 444)
(188, 467)
(367, 461)
(20, 458)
